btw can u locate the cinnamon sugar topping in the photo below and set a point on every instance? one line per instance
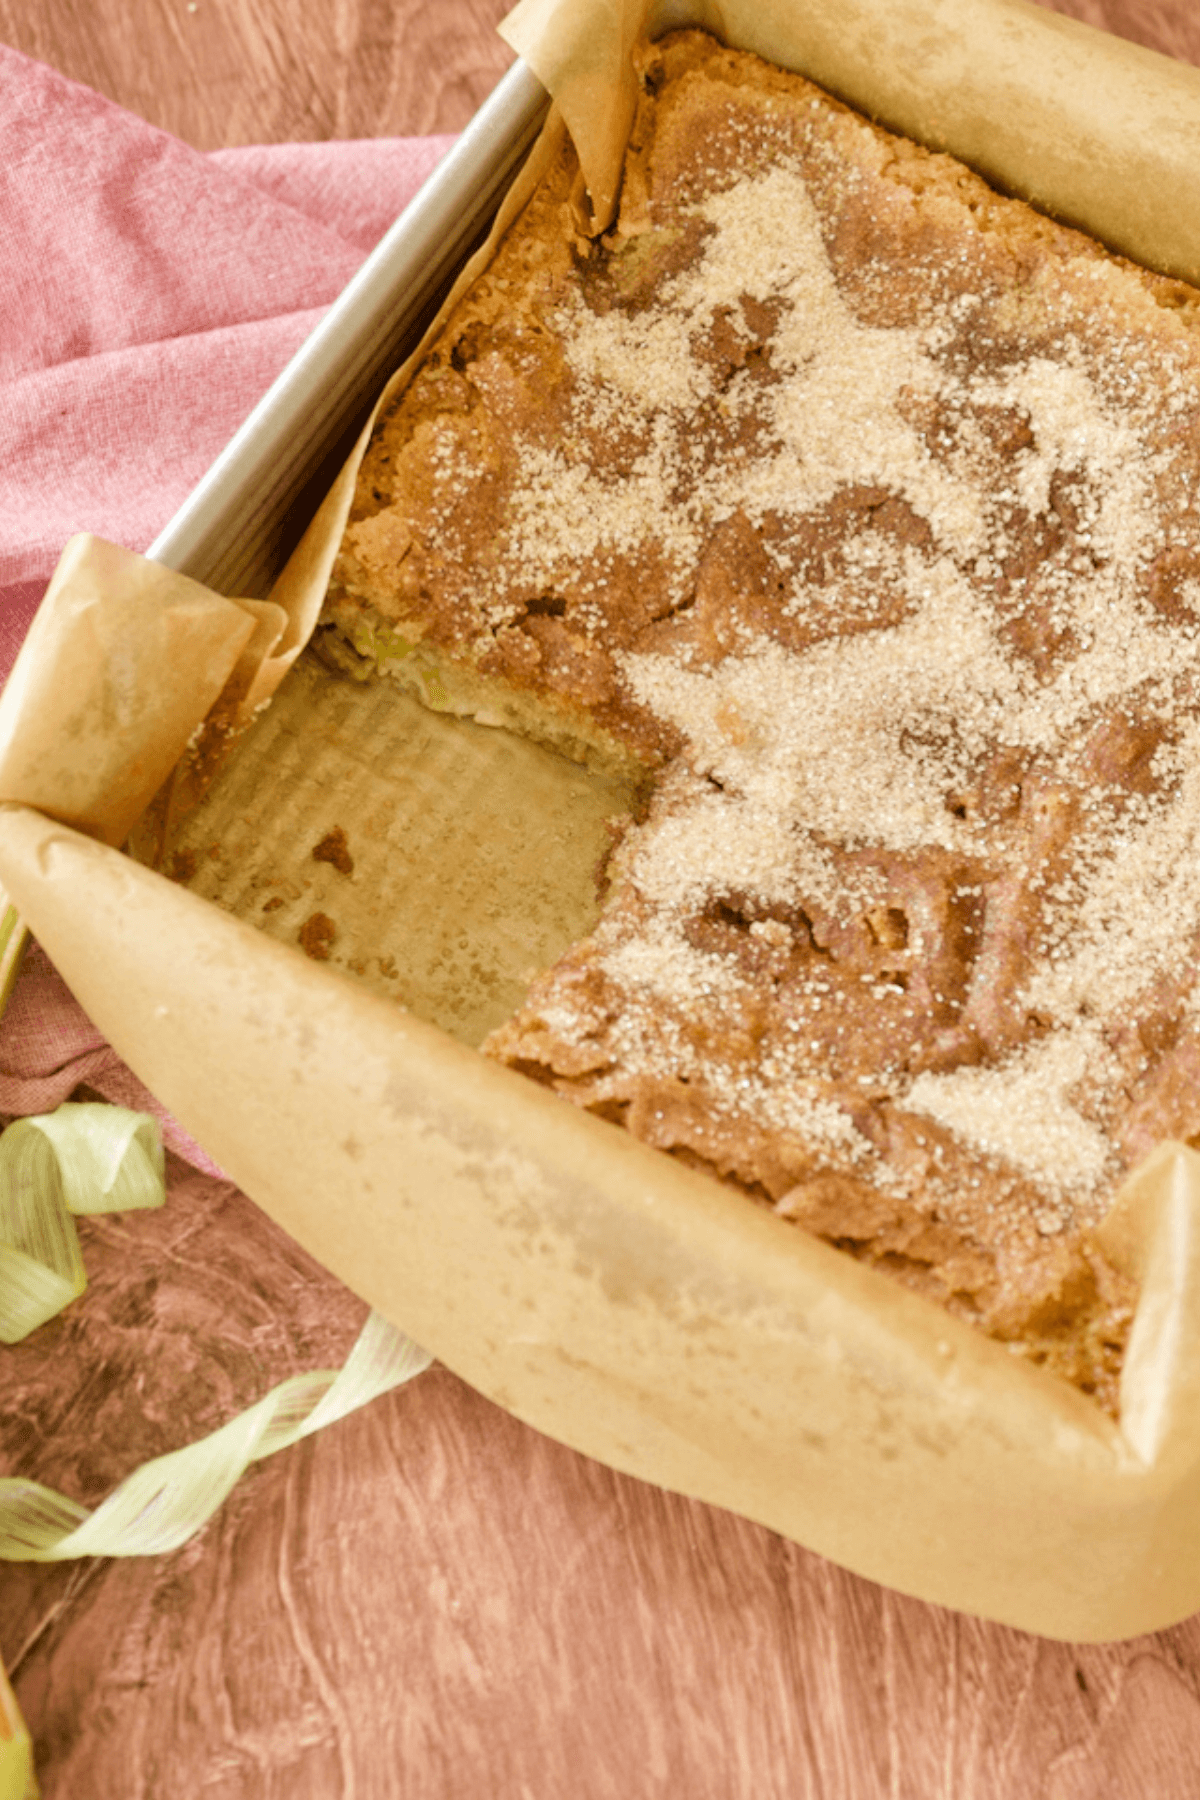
(860, 506)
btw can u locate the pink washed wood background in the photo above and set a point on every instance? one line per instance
(430, 1601)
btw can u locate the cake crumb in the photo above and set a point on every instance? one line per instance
(317, 935)
(334, 848)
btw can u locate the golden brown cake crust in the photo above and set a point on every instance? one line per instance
(860, 504)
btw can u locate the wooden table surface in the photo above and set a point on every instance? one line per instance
(431, 1601)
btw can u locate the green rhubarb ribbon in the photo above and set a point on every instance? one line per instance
(17, 1779)
(80, 1159)
(96, 1158)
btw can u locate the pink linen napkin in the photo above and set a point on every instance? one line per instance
(149, 294)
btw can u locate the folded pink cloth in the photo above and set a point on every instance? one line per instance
(149, 294)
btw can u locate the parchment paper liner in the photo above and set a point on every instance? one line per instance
(631, 1308)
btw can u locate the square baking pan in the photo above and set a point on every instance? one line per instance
(638, 1311)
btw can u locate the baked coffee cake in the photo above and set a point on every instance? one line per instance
(854, 507)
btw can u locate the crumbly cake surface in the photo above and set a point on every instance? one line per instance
(858, 506)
